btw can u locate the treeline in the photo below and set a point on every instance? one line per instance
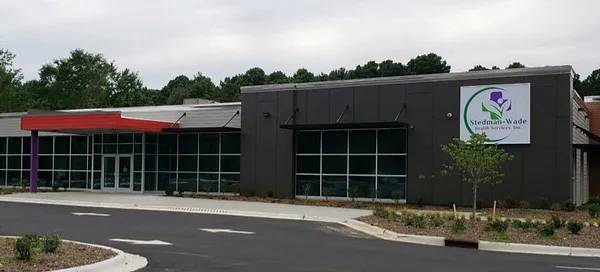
(88, 80)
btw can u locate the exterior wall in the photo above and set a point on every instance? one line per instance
(541, 171)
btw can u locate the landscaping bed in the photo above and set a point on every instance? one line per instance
(554, 231)
(66, 255)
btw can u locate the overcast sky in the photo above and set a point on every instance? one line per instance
(163, 39)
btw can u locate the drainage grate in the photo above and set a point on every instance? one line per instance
(462, 243)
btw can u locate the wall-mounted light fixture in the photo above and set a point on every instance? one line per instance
(266, 114)
(449, 115)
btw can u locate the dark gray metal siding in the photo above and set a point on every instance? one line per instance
(540, 170)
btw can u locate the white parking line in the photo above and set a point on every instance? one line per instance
(142, 242)
(227, 231)
(578, 268)
(89, 214)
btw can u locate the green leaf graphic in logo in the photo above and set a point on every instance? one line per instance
(493, 115)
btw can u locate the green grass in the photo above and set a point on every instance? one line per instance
(498, 236)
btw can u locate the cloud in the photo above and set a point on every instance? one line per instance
(162, 39)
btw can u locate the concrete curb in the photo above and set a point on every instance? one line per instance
(122, 262)
(393, 236)
(539, 249)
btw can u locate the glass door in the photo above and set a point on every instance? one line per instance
(124, 173)
(117, 173)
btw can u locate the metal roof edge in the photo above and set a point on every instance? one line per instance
(532, 71)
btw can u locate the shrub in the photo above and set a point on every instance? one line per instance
(396, 196)
(524, 204)
(594, 210)
(25, 247)
(497, 226)
(568, 206)
(383, 212)
(574, 227)
(414, 220)
(511, 203)
(594, 200)
(556, 206)
(180, 191)
(51, 243)
(169, 191)
(501, 204)
(547, 230)
(65, 185)
(459, 225)
(435, 219)
(556, 222)
(524, 225)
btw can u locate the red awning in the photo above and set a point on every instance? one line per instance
(90, 122)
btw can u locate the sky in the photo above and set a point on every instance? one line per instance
(163, 39)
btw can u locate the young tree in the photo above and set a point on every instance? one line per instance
(476, 162)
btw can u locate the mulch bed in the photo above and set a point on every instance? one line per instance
(476, 230)
(70, 255)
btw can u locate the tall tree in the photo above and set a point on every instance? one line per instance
(515, 65)
(10, 83)
(591, 84)
(478, 68)
(427, 64)
(303, 75)
(277, 77)
(391, 68)
(339, 74)
(129, 91)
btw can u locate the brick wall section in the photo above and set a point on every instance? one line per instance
(593, 109)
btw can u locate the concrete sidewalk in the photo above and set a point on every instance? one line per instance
(194, 205)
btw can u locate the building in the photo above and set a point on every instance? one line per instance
(359, 139)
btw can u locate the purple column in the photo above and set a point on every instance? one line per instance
(33, 172)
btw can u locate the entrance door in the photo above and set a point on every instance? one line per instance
(117, 173)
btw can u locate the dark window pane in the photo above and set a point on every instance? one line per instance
(151, 138)
(137, 148)
(137, 137)
(362, 141)
(61, 144)
(14, 162)
(44, 178)
(79, 163)
(137, 163)
(334, 142)
(391, 187)
(150, 148)
(308, 142)
(167, 163)
(97, 162)
(26, 161)
(3, 178)
(109, 138)
(391, 165)
(14, 178)
(2, 165)
(137, 182)
(334, 164)
(362, 164)
(61, 162)
(61, 178)
(27, 145)
(188, 144)
(391, 141)
(46, 145)
(97, 148)
(307, 185)
(45, 162)
(14, 145)
(188, 163)
(109, 149)
(308, 164)
(166, 180)
(187, 182)
(79, 145)
(125, 138)
(150, 164)
(125, 148)
(361, 187)
(78, 180)
(150, 181)
(230, 163)
(230, 143)
(209, 143)
(96, 180)
(334, 186)
(2, 149)
(208, 164)
(167, 144)
(230, 183)
(208, 183)
(97, 138)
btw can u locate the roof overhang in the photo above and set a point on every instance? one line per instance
(344, 125)
(89, 122)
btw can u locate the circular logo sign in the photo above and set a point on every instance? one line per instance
(488, 111)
